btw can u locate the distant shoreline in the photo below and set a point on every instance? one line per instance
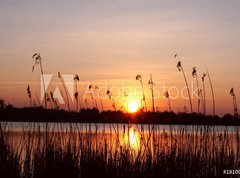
(94, 116)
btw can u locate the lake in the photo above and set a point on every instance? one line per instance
(206, 147)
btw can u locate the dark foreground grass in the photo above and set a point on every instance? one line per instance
(95, 153)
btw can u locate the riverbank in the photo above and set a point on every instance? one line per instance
(95, 116)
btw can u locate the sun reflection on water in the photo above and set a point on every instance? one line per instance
(132, 138)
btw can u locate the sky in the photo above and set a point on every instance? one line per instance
(114, 40)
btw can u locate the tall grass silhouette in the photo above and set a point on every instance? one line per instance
(180, 69)
(96, 88)
(151, 83)
(139, 78)
(92, 150)
(204, 94)
(109, 151)
(166, 95)
(91, 90)
(38, 60)
(76, 94)
(194, 75)
(235, 109)
(125, 102)
(29, 95)
(54, 101)
(65, 90)
(212, 91)
(111, 98)
(49, 100)
(38, 100)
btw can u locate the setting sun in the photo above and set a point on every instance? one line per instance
(133, 106)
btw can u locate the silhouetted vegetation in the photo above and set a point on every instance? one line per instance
(99, 153)
(84, 150)
(9, 113)
(180, 69)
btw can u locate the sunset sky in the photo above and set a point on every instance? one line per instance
(114, 40)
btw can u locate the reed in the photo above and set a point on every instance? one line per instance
(76, 94)
(180, 69)
(204, 94)
(125, 102)
(111, 98)
(166, 95)
(151, 83)
(212, 91)
(139, 77)
(54, 101)
(49, 100)
(91, 91)
(91, 150)
(194, 75)
(38, 60)
(235, 109)
(29, 95)
(65, 90)
(96, 88)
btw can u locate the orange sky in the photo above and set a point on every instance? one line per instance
(115, 40)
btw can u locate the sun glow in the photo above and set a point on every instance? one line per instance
(134, 138)
(133, 106)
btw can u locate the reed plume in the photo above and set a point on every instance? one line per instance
(180, 69)
(139, 77)
(194, 75)
(38, 60)
(49, 100)
(65, 90)
(151, 83)
(111, 98)
(54, 101)
(96, 88)
(235, 109)
(90, 87)
(166, 95)
(29, 95)
(76, 79)
(204, 94)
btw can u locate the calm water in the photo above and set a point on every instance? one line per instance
(19, 126)
(132, 143)
(116, 136)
